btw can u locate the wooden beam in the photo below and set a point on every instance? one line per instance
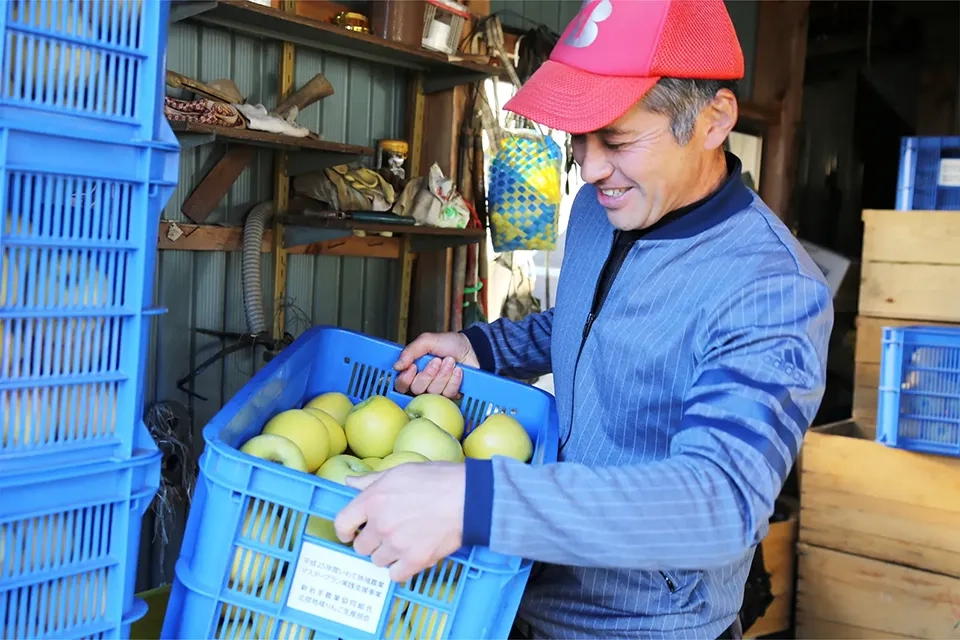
(778, 80)
(215, 185)
(281, 189)
(201, 237)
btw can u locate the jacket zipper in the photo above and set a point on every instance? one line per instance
(671, 585)
(588, 324)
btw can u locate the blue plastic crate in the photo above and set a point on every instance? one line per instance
(69, 542)
(92, 67)
(78, 238)
(250, 512)
(929, 174)
(919, 405)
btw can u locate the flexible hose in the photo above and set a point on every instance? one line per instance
(253, 228)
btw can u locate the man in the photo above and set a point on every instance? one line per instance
(688, 346)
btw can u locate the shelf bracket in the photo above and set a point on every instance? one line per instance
(192, 140)
(301, 162)
(188, 8)
(294, 236)
(434, 82)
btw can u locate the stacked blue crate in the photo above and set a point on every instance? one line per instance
(929, 176)
(87, 163)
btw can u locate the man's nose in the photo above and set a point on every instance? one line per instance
(595, 166)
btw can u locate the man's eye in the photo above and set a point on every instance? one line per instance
(614, 145)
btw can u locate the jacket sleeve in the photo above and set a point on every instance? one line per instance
(759, 380)
(518, 349)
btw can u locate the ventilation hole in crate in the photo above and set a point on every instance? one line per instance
(37, 348)
(264, 539)
(68, 210)
(56, 541)
(476, 411)
(439, 584)
(366, 381)
(54, 606)
(41, 416)
(84, 72)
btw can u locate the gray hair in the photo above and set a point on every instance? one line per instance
(682, 100)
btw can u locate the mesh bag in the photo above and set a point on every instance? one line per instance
(524, 193)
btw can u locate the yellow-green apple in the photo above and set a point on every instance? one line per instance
(336, 469)
(498, 435)
(336, 404)
(270, 627)
(276, 448)
(337, 438)
(265, 524)
(401, 457)
(373, 462)
(441, 410)
(372, 426)
(306, 431)
(429, 440)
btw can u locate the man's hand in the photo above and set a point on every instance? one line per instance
(412, 516)
(441, 375)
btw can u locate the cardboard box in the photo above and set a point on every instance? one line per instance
(867, 499)
(910, 265)
(846, 596)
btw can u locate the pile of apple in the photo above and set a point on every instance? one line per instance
(334, 439)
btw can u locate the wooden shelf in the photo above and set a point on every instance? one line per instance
(441, 71)
(306, 229)
(307, 154)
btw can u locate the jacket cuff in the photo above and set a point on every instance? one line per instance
(478, 502)
(481, 347)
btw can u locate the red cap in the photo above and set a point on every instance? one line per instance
(614, 51)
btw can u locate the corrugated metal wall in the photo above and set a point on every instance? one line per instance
(202, 290)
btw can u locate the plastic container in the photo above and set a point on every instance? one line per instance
(69, 541)
(90, 67)
(929, 174)
(78, 239)
(919, 405)
(248, 518)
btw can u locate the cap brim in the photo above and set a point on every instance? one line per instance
(562, 97)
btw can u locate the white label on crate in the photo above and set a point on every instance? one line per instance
(949, 172)
(339, 587)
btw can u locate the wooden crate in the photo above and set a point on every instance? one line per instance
(910, 265)
(840, 595)
(861, 497)
(867, 362)
(780, 560)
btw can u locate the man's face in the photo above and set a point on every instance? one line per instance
(642, 173)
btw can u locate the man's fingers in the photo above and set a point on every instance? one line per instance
(405, 568)
(405, 379)
(367, 541)
(353, 516)
(384, 555)
(362, 481)
(425, 377)
(439, 382)
(452, 389)
(420, 347)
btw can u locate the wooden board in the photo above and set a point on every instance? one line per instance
(917, 237)
(873, 599)
(861, 497)
(910, 265)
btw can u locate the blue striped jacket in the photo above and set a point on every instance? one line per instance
(679, 420)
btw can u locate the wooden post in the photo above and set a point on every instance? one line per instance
(778, 79)
(281, 191)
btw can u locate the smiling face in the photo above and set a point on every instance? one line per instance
(640, 170)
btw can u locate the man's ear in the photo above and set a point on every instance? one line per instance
(720, 116)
